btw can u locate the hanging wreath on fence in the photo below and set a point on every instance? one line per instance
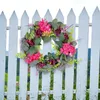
(64, 45)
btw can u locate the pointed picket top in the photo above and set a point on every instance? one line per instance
(13, 16)
(71, 13)
(2, 16)
(36, 17)
(60, 16)
(71, 18)
(24, 16)
(48, 15)
(96, 12)
(84, 14)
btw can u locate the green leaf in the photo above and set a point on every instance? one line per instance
(71, 61)
(61, 37)
(46, 39)
(60, 24)
(32, 50)
(74, 43)
(24, 47)
(30, 35)
(52, 34)
(55, 26)
(45, 57)
(50, 55)
(36, 23)
(77, 61)
(70, 38)
(71, 30)
(65, 58)
(38, 41)
(55, 56)
(55, 20)
(61, 58)
(27, 35)
(21, 55)
(59, 43)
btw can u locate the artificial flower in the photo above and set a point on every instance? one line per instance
(38, 33)
(58, 31)
(66, 36)
(52, 61)
(30, 58)
(40, 65)
(30, 42)
(44, 26)
(68, 49)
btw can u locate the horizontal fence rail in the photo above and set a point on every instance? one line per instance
(19, 27)
(50, 92)
(78, 82)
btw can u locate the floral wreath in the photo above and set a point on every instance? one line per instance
(63, 45)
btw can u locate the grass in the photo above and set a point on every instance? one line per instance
(51, 86)
(51, 82)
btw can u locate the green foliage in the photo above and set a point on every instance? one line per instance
(24, 47)
(71, 30)
(51, 86)
(71, 61)
(33, 49)
(55, 24)
(21, 55)
(46, 39)
(61, 37)
(6, 78)
(74, 43)
(37, 41)
(30, 35)
(70, 38)
(77, 61)
(59, 43)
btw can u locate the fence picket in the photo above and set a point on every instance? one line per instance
(83, 54)
(3, 23)
(12, 62)
(69, 71)
(46, 47)
(95, 49)
(58, 73)
(34, 74)
(23, 65)
(46, 76)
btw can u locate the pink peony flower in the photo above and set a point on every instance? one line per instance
(44, 26)
(68, 49)
(30, 58)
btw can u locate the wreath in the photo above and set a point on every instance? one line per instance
(63, 45)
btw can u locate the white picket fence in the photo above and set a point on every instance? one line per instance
(82, 67)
